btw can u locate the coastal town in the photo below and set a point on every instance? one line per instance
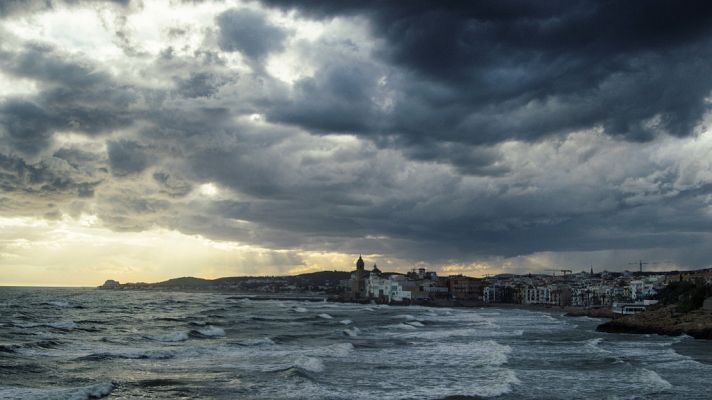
(623, 293)
(669, 302)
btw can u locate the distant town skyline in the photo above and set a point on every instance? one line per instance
(146, 140)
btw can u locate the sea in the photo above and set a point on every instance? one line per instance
(61, 343)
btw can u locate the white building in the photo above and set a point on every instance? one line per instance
(538, 295)
(640, 289)
(388, 288)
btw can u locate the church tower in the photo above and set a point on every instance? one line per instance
(360, 264)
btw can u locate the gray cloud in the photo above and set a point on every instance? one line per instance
(475, 132)
(127, 157)
(486, 73)
(73, 97)
(249, 33)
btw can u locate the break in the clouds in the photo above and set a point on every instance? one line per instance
(283, 136)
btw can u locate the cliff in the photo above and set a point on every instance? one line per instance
(663, 321)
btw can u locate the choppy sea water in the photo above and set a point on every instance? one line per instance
(87, 343)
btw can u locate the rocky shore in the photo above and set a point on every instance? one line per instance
(589, 312)
(663, 321)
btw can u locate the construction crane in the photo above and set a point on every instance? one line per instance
(640, 264)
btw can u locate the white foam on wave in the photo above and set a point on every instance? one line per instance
(595, 345)
(406, 317)
(212, 331)
(96, 391)
(678, 339)
(461, 332)
(482, 353)
(415, 323)
(300, 309)
(652, 381)
(169, 337)
(64, 325)
(325, 316)
(257, 342)
(340, 349)
(353, 332)
(311, 364)
(346, 321)
(60, 304)
(402, 325)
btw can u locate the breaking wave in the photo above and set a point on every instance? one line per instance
(208, 331)
(97, 391)
(169, 337)
(353, 332)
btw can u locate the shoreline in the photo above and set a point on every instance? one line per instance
(568, 311)
(662, 321)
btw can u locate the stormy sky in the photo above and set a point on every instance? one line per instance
(143, 140)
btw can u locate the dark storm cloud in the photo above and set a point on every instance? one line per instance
(26, 126)
(462, 116)
(127, 157)
(73, 96)
(199, 84)
(337, 99)
(485, 72)
(248, 32)
(171, 185)
(42, 187)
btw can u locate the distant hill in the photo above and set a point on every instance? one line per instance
(320, 278)
(187, 281)
(307, 281)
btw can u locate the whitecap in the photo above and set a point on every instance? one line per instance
(60, 304)
(401, 326)
(594, 344)
(325, 316)
(415, 323)
(169, 337)
(406, 317)
(340, 349)
(300, 309)
(653, 381)
(446, 333)
(96, 391)
(346, 321)
(64, 325)
(256, 342)
(212, 331)
(353, 332)
(311, 364)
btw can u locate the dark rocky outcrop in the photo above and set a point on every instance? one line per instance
(663, 321)
(589, 312)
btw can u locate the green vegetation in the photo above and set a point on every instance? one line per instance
(687, 296)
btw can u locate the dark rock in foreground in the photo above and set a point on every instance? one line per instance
(662, 321)
(589, 312)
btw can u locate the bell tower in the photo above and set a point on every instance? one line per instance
(360, 265)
